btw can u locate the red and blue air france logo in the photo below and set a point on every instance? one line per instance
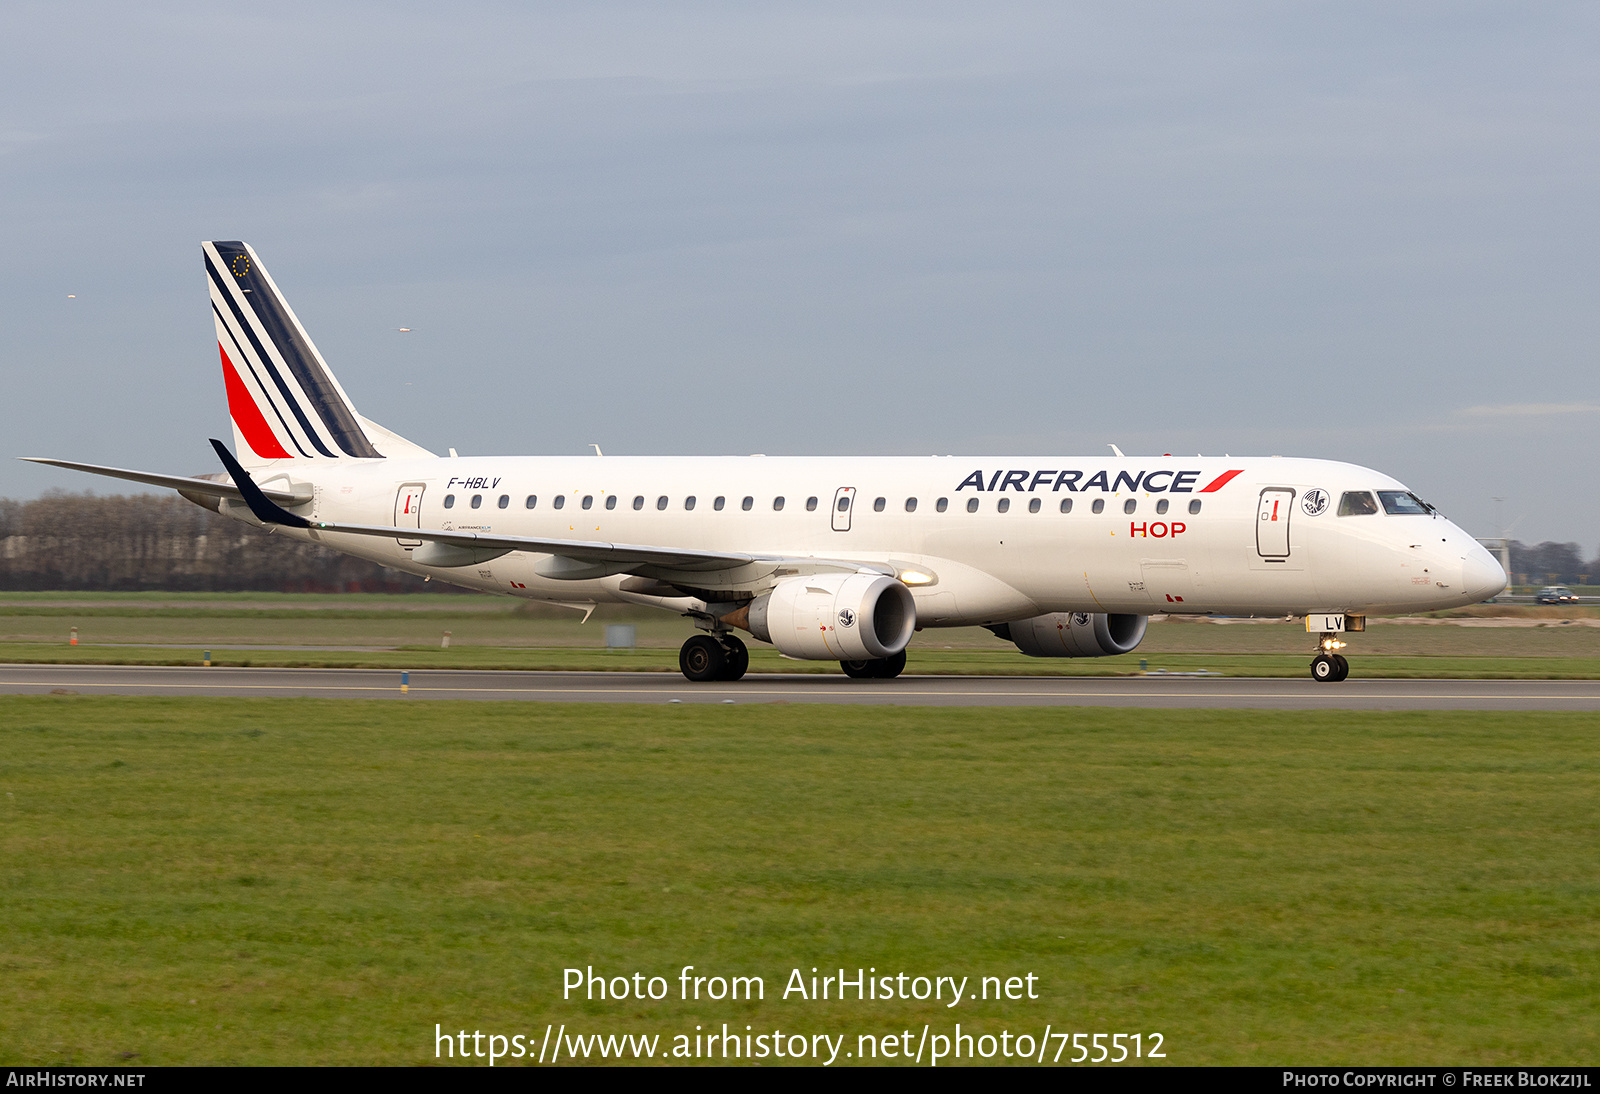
(1163, 481)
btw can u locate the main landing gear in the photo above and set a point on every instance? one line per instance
(1328, 667)
(713, 657)
(883, 668)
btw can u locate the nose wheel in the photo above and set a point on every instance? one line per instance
(1328, 667)
(885, 668)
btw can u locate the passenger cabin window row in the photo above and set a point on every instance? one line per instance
(1354, 503)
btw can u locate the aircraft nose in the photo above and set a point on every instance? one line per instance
(1481, 575)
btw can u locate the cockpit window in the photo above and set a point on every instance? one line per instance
(1357, 503)
(1398, 503)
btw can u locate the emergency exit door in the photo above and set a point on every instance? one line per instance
(408, 510)
(1272, 522)
(844, 499)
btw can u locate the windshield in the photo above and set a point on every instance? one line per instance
(1399, 503)
(1357, 503)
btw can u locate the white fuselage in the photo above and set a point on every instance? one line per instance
(1258, 544)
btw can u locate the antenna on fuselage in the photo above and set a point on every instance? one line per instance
(1117, 450)
(596, 448)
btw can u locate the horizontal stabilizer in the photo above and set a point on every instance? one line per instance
(183, 483)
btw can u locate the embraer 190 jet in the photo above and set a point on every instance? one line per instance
(825, 558)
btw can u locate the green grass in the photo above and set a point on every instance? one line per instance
(309, 881)
(374, 631)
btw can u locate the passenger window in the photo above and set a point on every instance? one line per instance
(941, 505)
(1161, 507)
(533, 499)
(811, 505)
(911, 505)
(638, 501)
(1194, 506)
(1033, 505)
(777, 504)
(477, 501)
(719, 503)
(747, 504)
(1066, 505)
(449, 501)
(1003, 505)
(1099, 505)
(1357, 503)
(611, 501)
(661, 502)
(972, 505)
(588, 501)
(559, 501)
(878, 504)
(1130, 505)
(844, 503)
(505, 500)
(688, 502)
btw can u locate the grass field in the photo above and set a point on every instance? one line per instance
(307, 881)
(359, 631)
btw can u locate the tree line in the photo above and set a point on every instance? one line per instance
(161, 542)
(65, 541)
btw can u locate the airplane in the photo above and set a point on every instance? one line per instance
(831, 558)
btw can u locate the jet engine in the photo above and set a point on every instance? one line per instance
(1075, 634)
(835, 617)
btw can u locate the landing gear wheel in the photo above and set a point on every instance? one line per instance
(738, 659)
(1324, 669)
(879, 668)
(1344, 666)
(702, 658)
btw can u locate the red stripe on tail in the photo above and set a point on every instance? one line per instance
(1220, 481)
(247, 416)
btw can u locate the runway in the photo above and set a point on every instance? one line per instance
(644, 687)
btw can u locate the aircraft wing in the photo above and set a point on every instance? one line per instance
(184, 483)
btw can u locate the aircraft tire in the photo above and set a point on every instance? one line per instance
(738, 662)
(890, 667)
(702, 658)
(860, 670)
(1344, 666)
(1324, 670)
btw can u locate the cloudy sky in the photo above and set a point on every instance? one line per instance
(1362, 231)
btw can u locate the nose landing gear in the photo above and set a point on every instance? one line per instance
(1328, 667)
(886, 668)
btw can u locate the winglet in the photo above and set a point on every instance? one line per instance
(266, 510)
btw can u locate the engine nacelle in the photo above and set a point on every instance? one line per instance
(836, 617)
(1075, 634)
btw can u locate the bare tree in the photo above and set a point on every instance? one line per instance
(161, 542)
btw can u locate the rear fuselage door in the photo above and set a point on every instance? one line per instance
(843, 499)
(1272, 522)
(408, 510)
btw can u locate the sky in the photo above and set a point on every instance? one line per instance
(1355, 231)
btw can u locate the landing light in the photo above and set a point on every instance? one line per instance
(916, 577)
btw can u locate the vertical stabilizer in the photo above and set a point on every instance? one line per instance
(284, 400)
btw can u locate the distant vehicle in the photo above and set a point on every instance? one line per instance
(1556, 594)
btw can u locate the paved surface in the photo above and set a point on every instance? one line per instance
(643, 687)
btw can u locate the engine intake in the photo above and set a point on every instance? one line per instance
(1075, 634)
(835, 617)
